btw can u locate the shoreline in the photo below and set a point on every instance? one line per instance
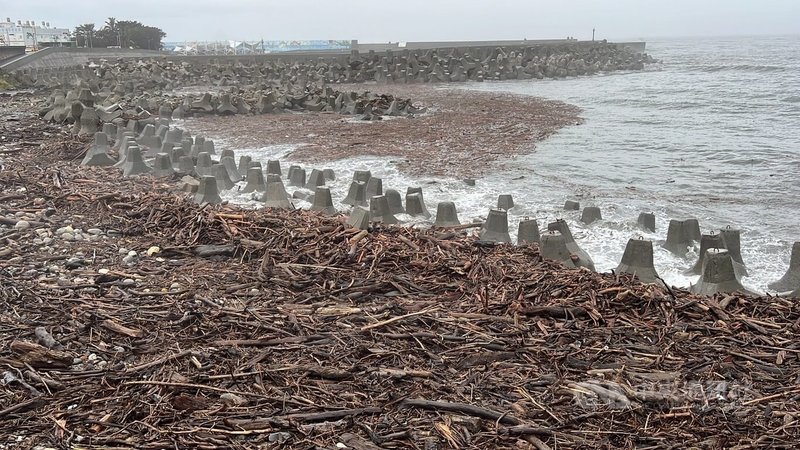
(465, 136)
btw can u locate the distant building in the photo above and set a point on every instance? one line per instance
(33, 36)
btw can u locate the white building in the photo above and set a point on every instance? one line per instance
(32, 35)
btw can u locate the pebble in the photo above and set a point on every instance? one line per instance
(122, 251)
(175, 286)
(64, 230)
(47, 241)
(22, 225)
(95, 231)
(129, 260)
(103, 271)
(128, 281)
(67, 236)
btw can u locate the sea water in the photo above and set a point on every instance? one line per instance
(711, 132)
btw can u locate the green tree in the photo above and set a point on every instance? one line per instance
(84, 35)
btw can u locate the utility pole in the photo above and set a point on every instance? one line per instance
(592, 34)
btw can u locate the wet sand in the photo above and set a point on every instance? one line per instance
(463, 133)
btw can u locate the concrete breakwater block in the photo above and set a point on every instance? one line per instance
(227, 153)
(553, 246)
(323, 201)
(275, 196)
(208, 147)
(162, 166)
(395, 201)
(297, 177)
(174, 136)
(274, 167)
(134, 162)
(230, 166)
(244, 164)
(415, 203)
(580, 257)
(97, 152)
(329, 174)
(718, 274)
(505, 202)
(127, 141)
(692, 229)
(185, 165)
(638, 260)
(591, 214)
(207, 191)
(647, 221)
(356, 194)
(109, 129)
(374, 187)
(678, 238)
(255, 181)
(732, 241)
(379, 210)
(528, 232)
(316, 178)
(175, 153)
(362, 175)
(495, 229)
(707, 242)
(224, 181)
(446, 215)
(791, 279)
(571, 205)
(359, 218)
(204, 164)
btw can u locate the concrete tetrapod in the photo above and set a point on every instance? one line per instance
(692, 229)
(731, 240)
(329, 174)
(174, 136)
(97, 152)
(207, 191)
(357, 194)
(123, 149)
(395, 201)
(495, 229)
(359, 218)
(274, 167)
(446, 215)
(224, 181)
(415, 203)
(583, 259)
(225, 107)
(162, 166)
(89, 122)
(791, 279)
(571, 205)
(255, 181)
(175, 154)
(208, 147)
(707, 241)
(323, 201)
(647, 221)
(678, 240)
(244, 164)
(505, 202)
(315, 179)
(230, 165)
(134, 163)
(591, 214)
(109, 129)
(528, 232)
(362, 175)
(638, 260)
(204, 164)
(225, 153)
(718, 274)
(379, 210)
(553, 246)
(297, 177)
(275, 196)
(185, 165)
(374, 187)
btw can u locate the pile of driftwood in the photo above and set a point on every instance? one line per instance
(260, 329)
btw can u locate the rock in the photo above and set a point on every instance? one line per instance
(75, 263)
(153, 250)
(128, 281)
(95, 231)
(22, 225)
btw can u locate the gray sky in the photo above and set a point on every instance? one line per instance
(421, 20)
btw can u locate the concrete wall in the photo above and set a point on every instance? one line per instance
(7, 52)
(55, 57)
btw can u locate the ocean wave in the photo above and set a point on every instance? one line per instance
(791, 99)
(757, 68)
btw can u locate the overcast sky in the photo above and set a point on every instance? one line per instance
(423, 20)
